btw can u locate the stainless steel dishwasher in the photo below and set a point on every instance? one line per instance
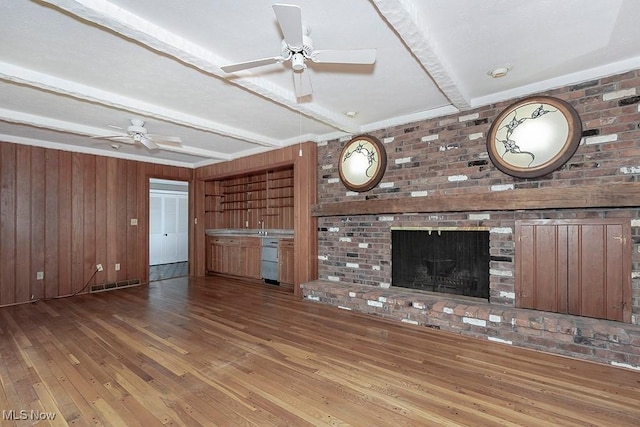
(270, 260)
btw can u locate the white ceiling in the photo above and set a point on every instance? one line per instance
(69, 69)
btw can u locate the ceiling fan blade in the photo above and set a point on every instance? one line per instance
(149, 143)
(354, 56)
(112, 137)
(289, 18)
(302, 83)
(232, 68)
(166, 140)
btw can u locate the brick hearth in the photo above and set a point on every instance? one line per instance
(581, 337)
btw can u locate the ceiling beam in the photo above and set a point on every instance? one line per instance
(406, 21)
(35, 79)
(79, 129)
(123, 22)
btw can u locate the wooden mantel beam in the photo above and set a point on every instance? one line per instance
(588, 196)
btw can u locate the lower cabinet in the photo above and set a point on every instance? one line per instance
(575, 266)
(242, 256)
(237, 256)
(285, 261)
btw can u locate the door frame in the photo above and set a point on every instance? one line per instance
(190, 233)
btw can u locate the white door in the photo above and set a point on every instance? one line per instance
(168, 227)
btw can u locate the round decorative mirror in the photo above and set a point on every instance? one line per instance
(363, 161)
(534, 136)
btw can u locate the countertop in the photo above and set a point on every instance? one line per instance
(249, 232)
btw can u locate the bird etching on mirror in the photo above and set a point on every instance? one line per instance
(510, 145)
(361, 149)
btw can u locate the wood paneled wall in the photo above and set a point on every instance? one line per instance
(63, 212)
(303, 157)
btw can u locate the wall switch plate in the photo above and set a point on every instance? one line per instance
(40, 275)
(134, 221)
(118, 267)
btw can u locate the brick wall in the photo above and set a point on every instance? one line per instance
(448, 155)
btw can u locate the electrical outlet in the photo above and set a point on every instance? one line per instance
(118, 267)
(40, 275)
(99, 267)
(134, 221)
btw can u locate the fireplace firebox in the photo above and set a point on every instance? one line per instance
(437, 260)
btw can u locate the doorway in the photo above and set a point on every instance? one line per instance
(168, 229)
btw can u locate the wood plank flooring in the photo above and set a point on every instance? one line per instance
(220, 352)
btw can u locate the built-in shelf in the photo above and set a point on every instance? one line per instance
(250, 201)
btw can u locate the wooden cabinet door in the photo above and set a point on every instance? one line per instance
(215, 251)
(541, 266)
(253, 260)
(236, 256)
(580, 267)
(286, 257)
(209, 254)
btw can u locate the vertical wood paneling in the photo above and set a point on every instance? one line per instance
(142, 215)
(198, 258)
(616, 247)
(574, 277)
(130, 262)
(112, 226)
(561, 291)
(305, 224)
(23, 223)
(121, 221)
(51, 238)
(101, 217)
(592, 271)
(525, 270)
(89, 226)
(38, 217)
(63, 213)
(77, 221)
(7, 223)
(65, 224)
(546, 268)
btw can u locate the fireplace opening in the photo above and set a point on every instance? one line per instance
(446, 261)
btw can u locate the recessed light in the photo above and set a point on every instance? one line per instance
(499, 71)
(351, 114)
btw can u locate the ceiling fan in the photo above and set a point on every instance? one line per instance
(136, 133)
(297, 47)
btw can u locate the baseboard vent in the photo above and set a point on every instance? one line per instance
(114, 285)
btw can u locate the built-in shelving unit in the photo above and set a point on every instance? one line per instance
(251, 201)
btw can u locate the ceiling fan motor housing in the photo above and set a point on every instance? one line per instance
(136, 128)
(306, 50)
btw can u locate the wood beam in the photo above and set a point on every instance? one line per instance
(589, 196)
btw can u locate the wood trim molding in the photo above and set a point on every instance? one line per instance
(590, 196)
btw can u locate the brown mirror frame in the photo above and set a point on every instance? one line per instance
(534, 136)
(362, 163)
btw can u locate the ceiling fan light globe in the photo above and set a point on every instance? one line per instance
(297, 62)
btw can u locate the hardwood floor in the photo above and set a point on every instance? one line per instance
(216, 351)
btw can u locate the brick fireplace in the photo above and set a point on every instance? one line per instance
(439, 177)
